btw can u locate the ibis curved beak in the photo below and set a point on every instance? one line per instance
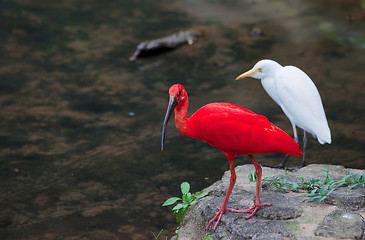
(170, 109)
(248, 73)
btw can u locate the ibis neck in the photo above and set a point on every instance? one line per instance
(181, 120)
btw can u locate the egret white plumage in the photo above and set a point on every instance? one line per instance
(297, 96)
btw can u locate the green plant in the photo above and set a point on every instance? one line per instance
(358, 180)
(208, 237)
(323, 188)
(156, 237)
(252, 177)
(187, 200)
(316, 188)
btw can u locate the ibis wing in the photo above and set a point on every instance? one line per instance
(234, 129)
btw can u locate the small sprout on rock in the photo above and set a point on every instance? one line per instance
(156, 237)
(187, 200)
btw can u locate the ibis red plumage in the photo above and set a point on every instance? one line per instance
(235, 131)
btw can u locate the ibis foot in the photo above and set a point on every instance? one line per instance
(253, 209)
(221, 211)
(217, 217)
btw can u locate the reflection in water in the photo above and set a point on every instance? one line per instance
(80, 125)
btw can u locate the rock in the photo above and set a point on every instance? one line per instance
(348, 199)
(342, 224)
(289, 217)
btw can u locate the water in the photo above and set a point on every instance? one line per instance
(80, 125)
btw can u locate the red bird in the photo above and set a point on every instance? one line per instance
(235, 131)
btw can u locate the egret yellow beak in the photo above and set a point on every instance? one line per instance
(248, 73)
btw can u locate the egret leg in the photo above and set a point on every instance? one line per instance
(283, 162)
(257, 205)
(305, 140)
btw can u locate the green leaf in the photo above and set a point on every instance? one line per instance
(190, 196)
(179, 206)
(315, 196)
(171, 201)
(187, 198)
(346, 178)
(330, 191)
(185, 187)
(361, 179)
(295, 186)
(322, 198)
(342, 183)
(284, 185)
(180, 214)
(159, 234)
(324, 189)
(331, 183)
(250, 177)
(313, 191)
(208, 237)
(193, 202)
(356, 177)
(201, 194)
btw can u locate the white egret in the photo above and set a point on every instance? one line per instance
(297, 96)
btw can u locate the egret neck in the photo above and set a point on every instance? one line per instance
(269, 82)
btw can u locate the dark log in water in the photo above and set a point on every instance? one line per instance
(156, 46)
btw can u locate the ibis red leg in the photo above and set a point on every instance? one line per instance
(224, 208)
(257, 205)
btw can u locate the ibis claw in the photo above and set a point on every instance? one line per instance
(253, 209)
(220, 213)
(217, 217)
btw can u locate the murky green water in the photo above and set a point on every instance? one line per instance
(80, 125)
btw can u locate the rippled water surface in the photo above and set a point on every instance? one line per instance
(80, 124)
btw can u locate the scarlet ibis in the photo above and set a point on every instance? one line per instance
(297, 96)
(235, 131)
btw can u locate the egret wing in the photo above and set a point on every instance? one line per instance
(301, 102)
(299, 98)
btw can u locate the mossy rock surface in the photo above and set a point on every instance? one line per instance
(290, 216)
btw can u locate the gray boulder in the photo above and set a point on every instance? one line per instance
(290, 216)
